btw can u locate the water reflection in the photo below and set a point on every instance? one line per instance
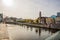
(24, 32)
(31, 28)
(38, 30)
(27, 27)
(52, 31)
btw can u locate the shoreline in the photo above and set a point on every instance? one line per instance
(35, 25)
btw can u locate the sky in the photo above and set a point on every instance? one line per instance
(29, 8)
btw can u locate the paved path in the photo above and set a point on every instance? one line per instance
(3, 32)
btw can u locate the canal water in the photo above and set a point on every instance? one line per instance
(22, 32)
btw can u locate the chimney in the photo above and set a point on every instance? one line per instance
(40, 17)
(40, 14)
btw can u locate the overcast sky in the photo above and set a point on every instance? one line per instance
(29, 8)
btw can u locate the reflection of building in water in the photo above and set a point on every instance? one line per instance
(52, 31)
(31, 28)
(38, 30)
(27, 27)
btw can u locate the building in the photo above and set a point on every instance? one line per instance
(8, 19)
(49, 20)
(1, 17)
(43, 20)
(39, 17)
(58, 14)
(57, 19)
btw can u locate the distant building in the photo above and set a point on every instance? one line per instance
(1, 17)
(40, 14)
(53, 16)
(8, 19)
(43, 20)
(57, 19)
(40, 17)
(19, 19)
(49, 20)
(58, 14)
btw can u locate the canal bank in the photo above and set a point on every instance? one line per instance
(53, 26)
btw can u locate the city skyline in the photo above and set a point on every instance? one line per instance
(29, 8)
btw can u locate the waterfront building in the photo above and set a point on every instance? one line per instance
(28, 20)
(57, 19)
(19, 19)
(49, 20)
(54, 17)
(1, 17)
(58, 14)
(40, 19)
(43, 20)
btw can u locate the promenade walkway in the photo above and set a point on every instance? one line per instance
(3, 32)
